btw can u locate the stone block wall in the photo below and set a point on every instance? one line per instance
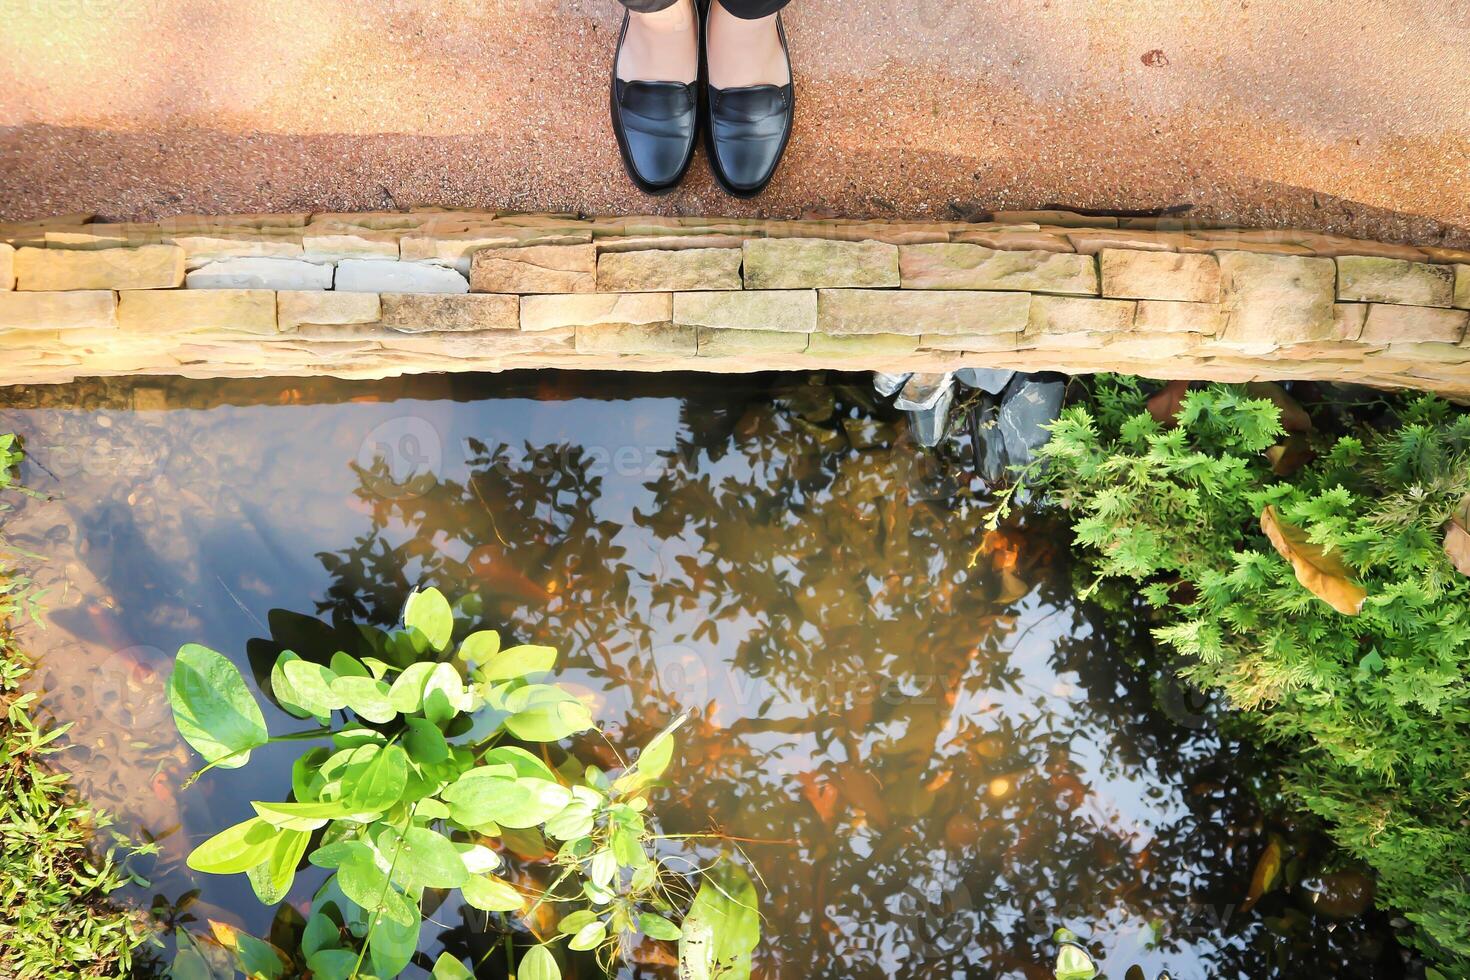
(387, 293)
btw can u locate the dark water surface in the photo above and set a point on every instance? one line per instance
(938, 752)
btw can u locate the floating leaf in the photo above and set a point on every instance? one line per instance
(538, 964)
(491, 894)
(429, 613)
(213, 709)
(723, 925)
(657, 927)
(235, 849)
(382, 781)
(543, 713)
(1319, 572)
(257, 959)
(1074, 963)
(652, 761)
(366, 696)
(518, 662)
(479, 647)
(446, 967)
(426, 859)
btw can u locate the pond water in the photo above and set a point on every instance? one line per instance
(934, 753)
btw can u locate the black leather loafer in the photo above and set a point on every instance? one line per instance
(746, 130)
(656, 125)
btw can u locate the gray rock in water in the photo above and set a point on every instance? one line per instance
(888, 384)
(989, 447)
(992, 381)
(922, 391)
(928, 424)
(1030, 402)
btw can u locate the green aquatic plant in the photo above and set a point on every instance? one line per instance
(425, 777)
(1321, 596)
(58, 864)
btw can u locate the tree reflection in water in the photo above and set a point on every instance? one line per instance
(961, 755)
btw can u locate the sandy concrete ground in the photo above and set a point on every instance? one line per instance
(1350, 117)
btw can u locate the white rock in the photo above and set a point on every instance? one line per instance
(373, 276)
(260, 273)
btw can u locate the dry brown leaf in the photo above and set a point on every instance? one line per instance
(1289, 455)
(1320, 573)
(1164, 405)
(1294, 418)
(1457, 538)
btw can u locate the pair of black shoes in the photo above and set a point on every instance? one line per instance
(745, 129)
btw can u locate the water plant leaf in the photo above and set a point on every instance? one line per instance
(213, 709)
(426, 858)
(381, 782)
(256, 958)
(346, 665)
(367, 697)
(366, 884)
(444, 694)
(1074, 963)
(589, 936)
(538, 964)
(272, 879)
(657, 927)
(480, 646)
(521, 761)
(309, 815)
(425, 742)
(542, 713)
(520, 661)
(307, 685)
(573, 923)
(393, 944)
(574, 820)
(331, 964)
(446, 967)
(723, 924)
(429, 613)
(284, 691)
(652, 761)
(490, 894)
(477, 858)
(235, 849)
(492, 794)
(407, 692)
(1321, 573)
(320, 933)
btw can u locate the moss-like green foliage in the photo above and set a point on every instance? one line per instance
(1375, 706)
(55, 919)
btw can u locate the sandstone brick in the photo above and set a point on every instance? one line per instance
(101, 236)
(733, 343)
(7, 267)
(47, 311)
(640, 243)
(664, 270)
(1168, 316)
(448, 312)
(297, 307)
(596, 309)
(1269, 242)
(1091, 241)
(535, 269)
(1420, 354)
(1438, 253)
(862, 345)
(374, 276)
(858, 311)
(1019, 238)
(964, 266)
(972, 342)
(1372, 279)
(1128, 274)
(1275, 300)
(200, 249)
(457, 248)
(186, 310)
(888, 232)
(637, 338)
(1462, 286)
(780, 310)
(1053, 315)
(1416, 324)
(326, 245)
(1062, 219)
(1348, 320)
(807, 263)
(261, 273)
(149, 267)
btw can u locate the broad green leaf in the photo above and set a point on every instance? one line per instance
(491, 894)
(426, 859)
(523, 762)
(538, 964)
(309, 815)
(482, 795)
(346, 665)
(367, 697)
(331, 964)
(725, 916)
(235, 849)
(407, 693)
(1074, 963)
(189, 965)
(213, 709)
(382, 781)
(272, 880)
(477, 858)
(281, 688)
(446, 967)
(657, 927)
(543, 713)
(393, 944)
(444, 694)
(574, 922)
(340, 853)
(311, 687)
(256, 958)
(321, 933)
(429, 613)
(627, 846)
(480, 647)
(306, 778)
(575, 820)
(520, 661)
(376, 668)
(602, 868)
(425, 742)
(362, 881)
(589, 936)
(651, 762)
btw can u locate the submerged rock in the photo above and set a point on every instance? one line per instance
(1030, 402)
(989, 447)
(992, 381)
(927, 398)
(888, 385)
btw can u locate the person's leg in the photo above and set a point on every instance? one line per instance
(744, 46)
(662, 42)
